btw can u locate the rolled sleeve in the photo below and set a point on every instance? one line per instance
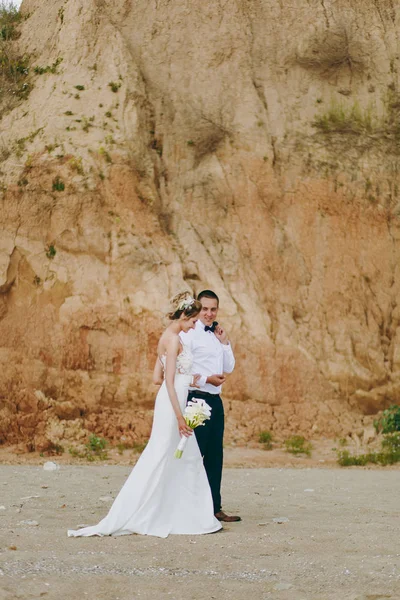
(229, 359)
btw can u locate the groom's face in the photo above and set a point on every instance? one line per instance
(209, 310)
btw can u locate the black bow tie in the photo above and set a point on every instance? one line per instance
(212, 328)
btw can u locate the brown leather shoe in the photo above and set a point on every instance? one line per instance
(221, 516)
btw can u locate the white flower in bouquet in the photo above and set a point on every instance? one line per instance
(196, 413)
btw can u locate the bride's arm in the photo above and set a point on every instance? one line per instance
(170, 368)
(158, 373)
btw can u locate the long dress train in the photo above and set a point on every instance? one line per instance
(163, 495)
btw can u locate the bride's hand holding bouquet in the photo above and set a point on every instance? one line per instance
(196, 413)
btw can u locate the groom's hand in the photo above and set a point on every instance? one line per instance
(221, 335)
(216, 380)
(195, 380)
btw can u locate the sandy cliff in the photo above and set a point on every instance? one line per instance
(249, 147)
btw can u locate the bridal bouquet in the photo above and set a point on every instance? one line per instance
(196, 413)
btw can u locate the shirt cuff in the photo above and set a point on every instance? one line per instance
(202, 381)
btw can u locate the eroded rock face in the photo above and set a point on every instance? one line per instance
(248, 149)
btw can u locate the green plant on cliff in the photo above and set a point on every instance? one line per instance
(342, 119)
(75, 164)
(389, 422)
(96, 444)
(297, 444)
(388, 455)
(103, 152)
(58, 184)
(114, 86)
(362, 128)
(51, 251)
(94, 449)
(49, 68)
(14, 67)
(265, 438)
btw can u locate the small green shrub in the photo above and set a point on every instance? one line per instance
(75, 164)
(94, 449)
(96, 444)
(389, 454)
(51, 251)
(103, 152)
(49, 69)
(389, 421)
(345, 459)
(265, 437)
(114, 86)
(80, 88)
(58, 184)
(86, 124)
(297, 444)
(109, 140)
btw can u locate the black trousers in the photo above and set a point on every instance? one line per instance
(210, 440)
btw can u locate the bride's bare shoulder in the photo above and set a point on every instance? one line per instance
(168, 341)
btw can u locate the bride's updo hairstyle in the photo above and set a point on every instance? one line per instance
(184, 304)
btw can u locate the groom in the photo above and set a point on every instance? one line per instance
(212, 357)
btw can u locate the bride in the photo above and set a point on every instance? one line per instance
(164, 495)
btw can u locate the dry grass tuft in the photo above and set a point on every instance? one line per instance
(206, 135)
(330, 50)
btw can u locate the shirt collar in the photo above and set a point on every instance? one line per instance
(200, 325)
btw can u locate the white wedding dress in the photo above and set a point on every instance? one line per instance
(163, 494)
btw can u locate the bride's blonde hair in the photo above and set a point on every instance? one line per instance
(184, 303)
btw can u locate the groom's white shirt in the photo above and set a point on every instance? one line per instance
(210, 357)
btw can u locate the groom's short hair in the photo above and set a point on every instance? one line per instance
(208, 294)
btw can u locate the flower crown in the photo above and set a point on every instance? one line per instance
(186, 303)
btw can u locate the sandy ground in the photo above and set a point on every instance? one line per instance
(339, 539)
(324, 453)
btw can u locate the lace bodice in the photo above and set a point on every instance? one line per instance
(184, 361)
